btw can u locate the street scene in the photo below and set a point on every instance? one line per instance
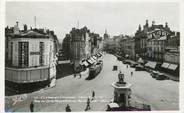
(161, 95)
(58, 65)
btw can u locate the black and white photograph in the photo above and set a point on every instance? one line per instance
(91, 56)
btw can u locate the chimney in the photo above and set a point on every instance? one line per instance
(139, 27)
(16, 29)
(25, 27)
(147, 23)
(153, 23)
(166, 25)
(17, 23)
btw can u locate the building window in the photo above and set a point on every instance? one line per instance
(11, 53)
(23, 54)
(42, 49)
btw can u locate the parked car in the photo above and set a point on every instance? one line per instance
(115, 68)
(154, 74)
(161, 76)
(112, 107)
(133, 65)
(139, 67)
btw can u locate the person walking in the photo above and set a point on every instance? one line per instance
(131, 73)
(32, 107)
(93, 95)
(88, 105)
(68, 109)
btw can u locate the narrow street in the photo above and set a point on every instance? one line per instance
(161, 95)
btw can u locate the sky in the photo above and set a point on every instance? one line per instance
(116, 17)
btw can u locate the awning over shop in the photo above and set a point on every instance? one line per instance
(94, 57)
(90, 61)
(99, 54)
(172, 66)
(85, 63)
(165, 65)
(140, 60)
(151, 64)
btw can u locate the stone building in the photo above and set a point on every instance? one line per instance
(82, 45)
(149, 40)
(31, 55)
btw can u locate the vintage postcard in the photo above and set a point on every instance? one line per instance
(84, 56)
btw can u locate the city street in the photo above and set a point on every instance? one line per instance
(161, 95)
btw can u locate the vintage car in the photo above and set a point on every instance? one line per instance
(139, 67)
(133, 65)
(161, 76)
(115, 68)
(112, 107)
(154, 74)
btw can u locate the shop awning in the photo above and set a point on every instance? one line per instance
(165, 65)
(94, 57)
(151, 64)
(85, 63)
(140, 60)
(172, 66)
(90, 61)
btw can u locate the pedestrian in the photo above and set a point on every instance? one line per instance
(74, 75)
(32, 107)
(93, 95)
(79, 75)
(68, 109)
(88, 105)
(131, 73)
(127, 66)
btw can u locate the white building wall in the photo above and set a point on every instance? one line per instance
(33, 47)
(15, 57)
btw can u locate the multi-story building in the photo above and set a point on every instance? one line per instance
(31, 55)
(172, 53)
(130, 47)
(77, 47)
(156, 44)
(82, 45)
(66, 47)
(149, 41)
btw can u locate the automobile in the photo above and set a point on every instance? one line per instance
(115, 68)
(112, 107)
(133, 65)
(139, 67)
(125, 62)
(154, 74)
(161, 76)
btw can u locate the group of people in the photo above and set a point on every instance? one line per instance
(88, 107)
(77, 74)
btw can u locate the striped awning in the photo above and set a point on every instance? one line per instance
(90, 61)
(85, 63)
(165, 65)
(151, 64)
(172, 66)
(94, 57)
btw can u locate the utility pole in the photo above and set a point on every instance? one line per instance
(35, 21)
(78, 24)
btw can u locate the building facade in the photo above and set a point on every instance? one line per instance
(82, 45)
(31, 56)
